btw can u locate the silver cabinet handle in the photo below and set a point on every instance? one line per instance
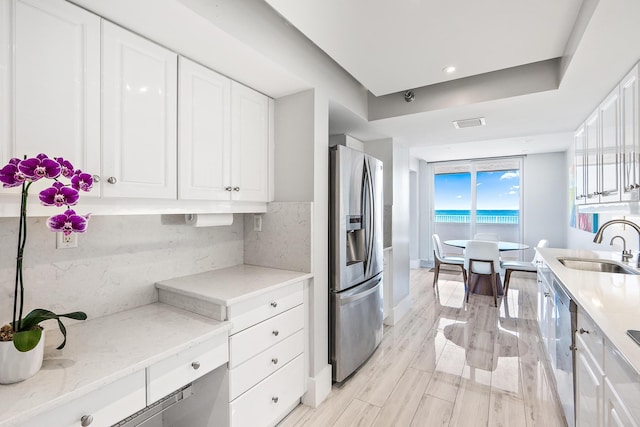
(236, 188)
(227, 188)
(547, 294)
(275, 399)
(274, 360)
(195, 365)
(86, 420)
(112, 180)
(573, 348)
(274, 304)
(275, 332)
(96, 178)
(583, 331)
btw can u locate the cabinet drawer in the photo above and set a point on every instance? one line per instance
(264, 364)
(266, 403)
(255, 310)
(624, 380)
(248, 343)
(107, 405)
(168, 375)
(592, 337)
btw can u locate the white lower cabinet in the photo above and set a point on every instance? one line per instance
(622, 390)
(267, 402)
(589, 387)
(266, 358)
(104, 407)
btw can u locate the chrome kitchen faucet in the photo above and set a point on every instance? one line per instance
(598, 236)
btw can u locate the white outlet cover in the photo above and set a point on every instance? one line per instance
(66, 242)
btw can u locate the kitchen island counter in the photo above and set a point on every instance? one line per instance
(612, 300)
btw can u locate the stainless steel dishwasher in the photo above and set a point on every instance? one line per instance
(565, 320)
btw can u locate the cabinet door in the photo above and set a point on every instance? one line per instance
(592, 160)
(205, 133)
(50, 83)
(139, 80)
(630, 136)
(589, 387)
(609, 183)
(580, 171)
(616, 413)
(249, 144)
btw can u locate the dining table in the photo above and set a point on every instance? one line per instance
(478, 284)
(502, 245)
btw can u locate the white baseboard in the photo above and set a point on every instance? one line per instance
(414, 263)
(399, 311)
(318, 388)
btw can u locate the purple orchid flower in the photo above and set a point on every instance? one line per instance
(82, 181)
(10, 175)
(40, 166)
(68, 222)
(59, 195)
(66, 167)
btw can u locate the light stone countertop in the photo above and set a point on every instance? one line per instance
(100, 351)
(611, 300)
(231, 285)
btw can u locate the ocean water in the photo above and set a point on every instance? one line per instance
(493, 216)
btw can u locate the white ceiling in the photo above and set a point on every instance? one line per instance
(390, 47)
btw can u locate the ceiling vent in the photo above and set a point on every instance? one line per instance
(468, 123)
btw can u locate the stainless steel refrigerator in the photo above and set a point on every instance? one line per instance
(355, 259)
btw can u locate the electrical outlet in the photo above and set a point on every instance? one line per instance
(257, 222)
(66, 242)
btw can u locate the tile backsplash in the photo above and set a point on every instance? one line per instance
(285, 239)
(116, 263)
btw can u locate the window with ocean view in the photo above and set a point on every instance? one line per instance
(477, 197)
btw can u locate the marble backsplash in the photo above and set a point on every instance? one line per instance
(285, 239)
(116, 263)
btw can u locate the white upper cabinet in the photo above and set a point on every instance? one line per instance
(591, 143)
(629, 133)
(608, 171)
(580, 159)
(50, 82)
(249, 144)
(139, 116)
(205, 133)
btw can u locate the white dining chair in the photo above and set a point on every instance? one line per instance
(439, 258)
(482, 257)
(527, 266)
(493, 237)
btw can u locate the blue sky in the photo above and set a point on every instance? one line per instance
(495, 190)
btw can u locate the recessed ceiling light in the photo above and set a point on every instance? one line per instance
(450, 69)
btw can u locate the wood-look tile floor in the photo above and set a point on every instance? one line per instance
(448, 363)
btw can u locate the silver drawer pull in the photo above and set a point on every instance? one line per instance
(96, 178)
(583, 331)
(274, 360)
(195, 365)
(227, 188)
(274, 304)
(112, 180)
(86, 420)
(236, 188)
(275, 399)
(275, 332)
(547, 294)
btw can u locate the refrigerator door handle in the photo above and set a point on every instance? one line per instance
(362, 294)
(370, 205)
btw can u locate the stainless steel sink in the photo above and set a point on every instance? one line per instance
(599, 265)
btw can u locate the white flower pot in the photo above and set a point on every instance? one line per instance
(16, 366)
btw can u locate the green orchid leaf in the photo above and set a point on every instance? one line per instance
(40, 315)
(27, 340)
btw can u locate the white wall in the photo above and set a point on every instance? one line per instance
(302, 174)
(545, 200)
